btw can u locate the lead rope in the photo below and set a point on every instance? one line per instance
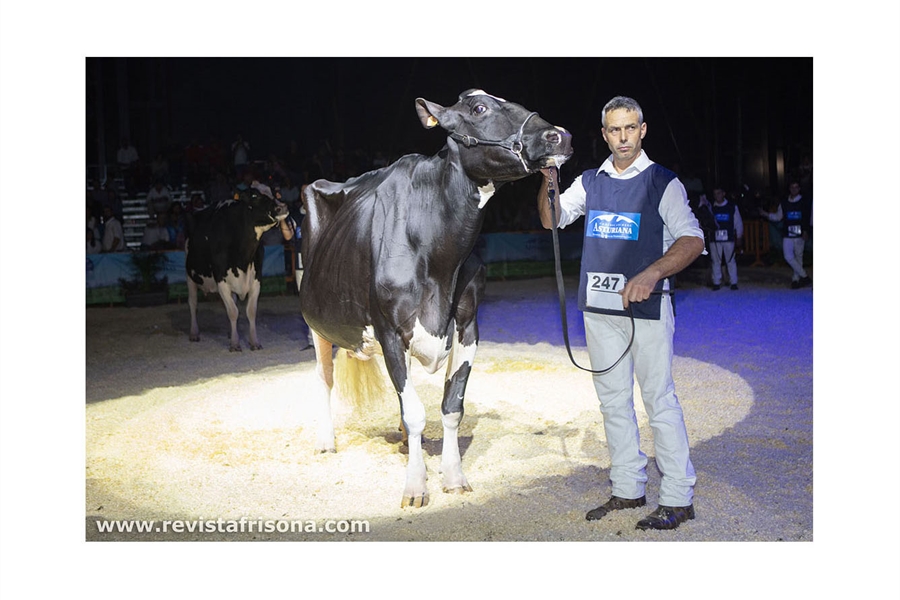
(551, 196)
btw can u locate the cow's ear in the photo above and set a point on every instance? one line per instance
(429, 112)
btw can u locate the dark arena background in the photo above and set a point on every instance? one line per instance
(183, 442)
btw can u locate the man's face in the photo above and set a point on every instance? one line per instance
(794, 189)
(623, 134)
(719, 195)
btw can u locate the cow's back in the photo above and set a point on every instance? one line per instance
(223, 239)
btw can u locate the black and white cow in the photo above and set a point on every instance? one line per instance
(389, 264)
(223, 255)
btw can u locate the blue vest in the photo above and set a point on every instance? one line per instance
(724, 216)
(796, 216)
(623, 233)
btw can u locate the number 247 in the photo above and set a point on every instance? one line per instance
(606, 283)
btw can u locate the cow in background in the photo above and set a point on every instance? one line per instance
(389, 267)
(223, 254)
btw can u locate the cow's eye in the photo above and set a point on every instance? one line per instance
(479, 109)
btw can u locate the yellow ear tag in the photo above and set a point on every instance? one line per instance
(237, 196)
(432, 121)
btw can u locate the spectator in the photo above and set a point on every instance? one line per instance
(177, 224)
(246, 180)
(101, 196)
(159, 198)
(127, 155)
(219, 188)
(156, 234)
(93, 245)
(113, 237)
(159, 168)
(290, 193)
(128, 160)
(240, 152)
(275, 169)
(92, 221)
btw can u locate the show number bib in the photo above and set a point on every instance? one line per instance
(604, 290)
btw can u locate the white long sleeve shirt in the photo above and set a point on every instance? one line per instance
(678, 219)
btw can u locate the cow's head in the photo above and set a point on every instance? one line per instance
(264, 210)
(499, 140)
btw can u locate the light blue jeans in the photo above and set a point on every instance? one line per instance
(650, 361)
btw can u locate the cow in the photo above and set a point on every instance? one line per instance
(389, 267)
(223, 254)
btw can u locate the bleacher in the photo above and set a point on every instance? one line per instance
(136, 215)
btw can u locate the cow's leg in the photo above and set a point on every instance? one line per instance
(232, 309)
(458, 369)
(412, 412)
(462, 357)
(251, 313)
(192, 304)
(322, 394)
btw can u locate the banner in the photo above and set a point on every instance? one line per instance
(105, 270)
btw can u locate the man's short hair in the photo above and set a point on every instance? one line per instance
(629, 104)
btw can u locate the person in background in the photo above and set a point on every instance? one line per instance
(93, 244)
(113, 236)
(177, 225)
(156, 234)
(727, 238)
(159, 198)
(639, 231)
(240, 152)
(796, 213)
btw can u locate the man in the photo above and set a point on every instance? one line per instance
(159, 198)
(796, 212)
(113, 236)
(726, 237)
(639, 231)
(156, 235)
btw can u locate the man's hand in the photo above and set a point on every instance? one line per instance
(640, 286)
(677, 257)
(551, 175)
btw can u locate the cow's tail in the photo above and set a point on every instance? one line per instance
(360, 382)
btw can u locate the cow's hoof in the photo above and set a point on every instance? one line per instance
(256, 346)
(414, 501)
(234, 349)
(326, 451)
(194, 338)
(460, 489)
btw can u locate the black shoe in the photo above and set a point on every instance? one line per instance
(666, 517)
(805, 282)
(614, 503)
(734, 286)
(716, 287)
(795, 285)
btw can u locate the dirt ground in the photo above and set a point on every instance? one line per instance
(189, 432)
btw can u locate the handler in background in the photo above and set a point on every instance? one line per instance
(639, 231)
(727, 236)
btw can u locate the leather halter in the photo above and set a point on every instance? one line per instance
(513, 143)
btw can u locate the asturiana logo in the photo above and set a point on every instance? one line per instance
(613, 226)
